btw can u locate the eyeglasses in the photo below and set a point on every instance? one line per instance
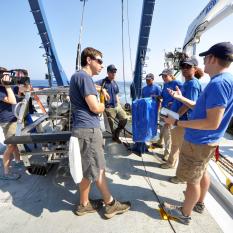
(186, 66)
(98, 60)
(205, 57)
(113, 71)
(164, 75)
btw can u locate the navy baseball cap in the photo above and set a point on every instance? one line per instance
(192, 61)
(111, 68)
(223, 50)
(150, 76)
(167, 72)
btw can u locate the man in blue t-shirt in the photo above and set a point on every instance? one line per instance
(167, 101)
(207, 124)
(8, 124)
(86, 127)
(191, 89)
(151, 89)
(113, 107)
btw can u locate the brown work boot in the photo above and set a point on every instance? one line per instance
(115, 135)
(157, 145)
(176, 180)
(166, 166)
(165, 156)
(91, 207)
(116, 208)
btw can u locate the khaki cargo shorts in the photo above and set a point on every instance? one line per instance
(193, 161)
(8, 128)
(91, 145)
(177, 136)
(117, 112)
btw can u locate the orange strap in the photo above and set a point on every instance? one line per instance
(37, 99)
(217, 153)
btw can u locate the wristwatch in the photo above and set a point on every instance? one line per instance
(176, 122)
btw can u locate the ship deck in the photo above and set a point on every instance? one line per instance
(45, 203)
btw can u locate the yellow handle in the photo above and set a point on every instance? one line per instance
(102, 100)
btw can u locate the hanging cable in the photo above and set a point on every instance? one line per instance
(78, 57)
(132, 87)
(122, 44)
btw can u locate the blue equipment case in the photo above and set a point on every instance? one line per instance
(144, 119)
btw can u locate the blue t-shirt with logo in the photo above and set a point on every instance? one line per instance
(191, 89)
(112, 89)
(167, 98)
(6, 110)
(82, 85)
(218, 93)
(150, 90)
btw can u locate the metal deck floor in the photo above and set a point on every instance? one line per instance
(45, 204)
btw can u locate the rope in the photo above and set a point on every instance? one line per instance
(156, 195)
(146, 177)
(78, 57)
(122, 44)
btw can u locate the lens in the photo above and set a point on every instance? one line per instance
(186, 66)
(98, 60)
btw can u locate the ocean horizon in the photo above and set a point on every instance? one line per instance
(124, 91)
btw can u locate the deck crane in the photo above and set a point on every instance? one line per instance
(55, 69)
(214, 12)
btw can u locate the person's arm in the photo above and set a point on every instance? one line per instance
(10, 98)
(94, 105)
(182, 110)
(178, 95)
(118, 99)
(104, 91)
(211, 122)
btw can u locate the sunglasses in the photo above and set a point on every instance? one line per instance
(186, 66)
(98, 60)
(113, 71)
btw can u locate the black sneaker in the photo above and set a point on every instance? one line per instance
(199, 207)
(91, 207)
(117, 208)
(157, 145)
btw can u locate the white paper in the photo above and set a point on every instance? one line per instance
(75, 161)
(168, 112)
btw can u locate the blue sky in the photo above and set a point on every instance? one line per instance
(19, 47)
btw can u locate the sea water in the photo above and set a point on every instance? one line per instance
(124, 88)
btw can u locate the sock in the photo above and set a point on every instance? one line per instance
(112, 202)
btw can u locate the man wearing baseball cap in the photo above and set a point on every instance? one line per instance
(113, 107)
(207, 124)
(151, 89)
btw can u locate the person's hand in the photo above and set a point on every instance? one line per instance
(169, 105)
(175, 94)
(106, 95)
(169, 120)
(5, 81)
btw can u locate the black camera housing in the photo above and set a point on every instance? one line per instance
(15, 80)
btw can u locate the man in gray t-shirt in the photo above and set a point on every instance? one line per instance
(86, 127)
